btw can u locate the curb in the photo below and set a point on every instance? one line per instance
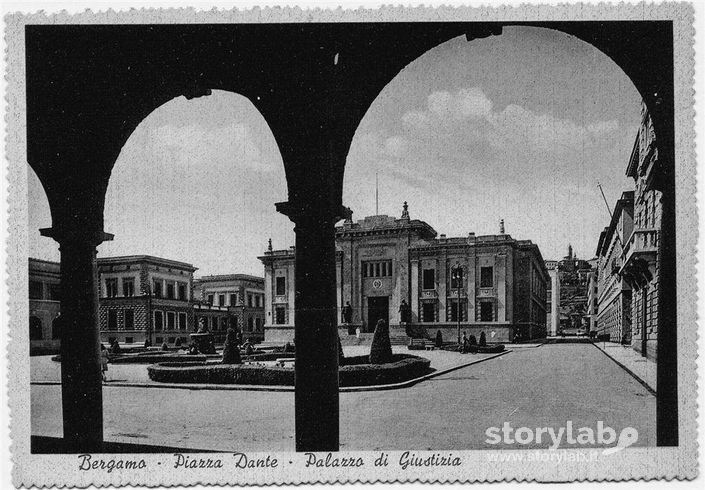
(224, 387)
(629, 371)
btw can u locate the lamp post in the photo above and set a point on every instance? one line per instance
(456, 273)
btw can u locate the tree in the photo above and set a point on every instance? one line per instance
(381, 350)
(231, 351)
(439, 339)
(483, 339)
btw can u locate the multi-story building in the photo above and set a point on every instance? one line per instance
(614, 317)
(553, 299)
(44, 306)
(641, 247)
(591, 307)
(144, 297)
(230, 300)
(493, 284)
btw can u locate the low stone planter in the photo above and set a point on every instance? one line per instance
(355, 372)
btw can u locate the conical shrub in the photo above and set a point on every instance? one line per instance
(483, 339)
(231, 351)
(381, 351)
(341, 355)
(439, 339)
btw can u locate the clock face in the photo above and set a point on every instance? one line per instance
(377, 284)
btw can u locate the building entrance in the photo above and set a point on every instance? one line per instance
(377, 307)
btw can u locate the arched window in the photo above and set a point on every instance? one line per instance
(35, 328)
(56, 328)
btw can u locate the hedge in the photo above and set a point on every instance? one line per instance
(355, 372)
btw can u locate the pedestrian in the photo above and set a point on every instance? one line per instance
(104, 363)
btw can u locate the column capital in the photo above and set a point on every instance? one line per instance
(74, 236)
(300, 212)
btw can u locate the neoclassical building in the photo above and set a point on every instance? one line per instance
(491, 283)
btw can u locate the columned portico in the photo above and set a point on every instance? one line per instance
(81, 382)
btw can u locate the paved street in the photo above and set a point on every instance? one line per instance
(533, 387)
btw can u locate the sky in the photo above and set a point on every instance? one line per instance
(519, 127)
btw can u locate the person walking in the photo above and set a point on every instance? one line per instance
(104, 363)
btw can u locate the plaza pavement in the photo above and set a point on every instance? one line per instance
(532, 387)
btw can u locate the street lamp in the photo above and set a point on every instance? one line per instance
(456, 274)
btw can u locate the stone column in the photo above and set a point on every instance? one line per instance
(316, 331)
(415, 317)
(81, 382)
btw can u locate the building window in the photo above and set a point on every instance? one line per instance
(214, 323)
(129, 340)
(221, 300)
(235, 323)
(249, 300)
(170, 290)
(453, 312)
(170, 320)
(224, 323)
(428, 312)
(429, 278)
(170, 340)
(128, 287)
(158, 321)
(55, 292)
(182, 291)
(35, 290)
(111, 287)
(182, 321)
(258, 324)
(35, 328)
(112, 320)
(456, 278)
(258, 301)
(486, 277)
(486, 311)
(280, 312)
(56, 328)
(129, 318)
(210, 299)
(233, 300)
(159, 340)
(249, 324)
(157, 288)
(281, 286)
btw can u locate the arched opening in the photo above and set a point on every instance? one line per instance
(494, 143)
(35, 328)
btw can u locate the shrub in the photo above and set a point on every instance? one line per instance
(231, 351)
(115, 347)
(402, 367)
(147, 343)
(178, 342)
(473, 341)
(381, 350)
(288, 347)
(439, 339)
(165, 346)
(483, 339)
(490, 349)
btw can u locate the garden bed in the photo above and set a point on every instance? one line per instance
(354, 372)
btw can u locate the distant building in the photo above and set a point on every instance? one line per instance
(569, 301)
(614, 317)
(553, 298)
(230, 300)
(591, 307)
(144, 297)
(641, 247)
(44, 306)
(493, 284)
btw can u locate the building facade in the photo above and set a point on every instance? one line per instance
(493, 284)
(44, 306)
(553, 299)
(640, 265)
(614, 317)
(230, 301)
(144, 297)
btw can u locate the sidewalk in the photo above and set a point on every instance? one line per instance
(631, 361)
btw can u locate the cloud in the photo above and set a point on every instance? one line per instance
(196, 144)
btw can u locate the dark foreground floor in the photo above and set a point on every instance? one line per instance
(532, 387)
